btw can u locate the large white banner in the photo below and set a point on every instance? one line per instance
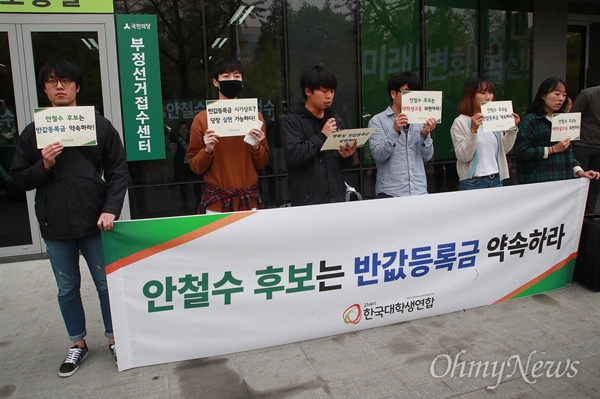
(197, 286)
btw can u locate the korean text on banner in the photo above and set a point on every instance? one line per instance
(169, 303)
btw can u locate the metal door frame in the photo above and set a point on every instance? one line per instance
(24, 80)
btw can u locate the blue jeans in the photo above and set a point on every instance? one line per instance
(64, 258)
(480, 182)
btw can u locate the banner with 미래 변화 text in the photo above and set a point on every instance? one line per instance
(141, 97)
(205, 285)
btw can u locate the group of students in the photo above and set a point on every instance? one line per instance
(80, 190)
(399, 149)
(229, 164)
(481, 156)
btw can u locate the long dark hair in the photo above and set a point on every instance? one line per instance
(550, 84)
(472, 86)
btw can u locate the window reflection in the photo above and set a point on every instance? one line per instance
(449, 61)
(277, 40)
(576, 47)
(80, 48)
(13, 203)
(506, 56)
(389, 46)
(251, 31)
(325, 34)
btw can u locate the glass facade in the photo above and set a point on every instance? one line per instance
(81, 48)
(576, 48)
(362, 42)
(507, 37)
(13, 202)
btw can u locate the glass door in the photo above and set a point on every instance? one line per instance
(16, 225)
(25, 45)
(576, 62)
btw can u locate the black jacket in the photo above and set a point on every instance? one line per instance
(84, 182)
(315, 176)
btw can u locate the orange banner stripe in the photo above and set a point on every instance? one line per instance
(230, 219)
(539, 278)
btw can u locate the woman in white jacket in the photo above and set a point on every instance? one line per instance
(480, 156)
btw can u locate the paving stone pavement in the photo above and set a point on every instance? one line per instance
(437, 357)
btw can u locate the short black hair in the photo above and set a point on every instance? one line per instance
(62, 69)
(316, 78)
(548, 85)
(227, 65)
(405, 78)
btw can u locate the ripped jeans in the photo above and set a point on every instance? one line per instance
(64, 258)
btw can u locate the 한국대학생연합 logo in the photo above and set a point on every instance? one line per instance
(352, 314)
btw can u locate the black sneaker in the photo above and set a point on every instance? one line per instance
(113, 350)
(71, 363)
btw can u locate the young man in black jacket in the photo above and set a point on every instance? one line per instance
(79, 192)
(315, 176)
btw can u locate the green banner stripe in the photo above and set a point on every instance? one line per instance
(137, 235)
(556, 280)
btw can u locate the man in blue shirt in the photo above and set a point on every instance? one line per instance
(399, 148)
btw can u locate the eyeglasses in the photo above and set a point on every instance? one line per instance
(63, 81)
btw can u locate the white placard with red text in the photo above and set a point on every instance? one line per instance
(422, 105)
(566, 125)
